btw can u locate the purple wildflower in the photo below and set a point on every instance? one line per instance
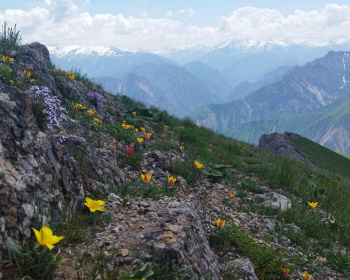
(96, 97)
(51, 105)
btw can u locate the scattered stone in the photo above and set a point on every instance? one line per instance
(274, 200)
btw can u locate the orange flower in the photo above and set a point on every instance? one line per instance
(134, 114)
(181, 148)
(220, 223)
(313, 204)
(307, 276)
(139, 140)
(171, 180)
(231, 195)
(148, 135)
(146, 177)
(129, 150)
(198, 165)
(285, 272)
(124, 121)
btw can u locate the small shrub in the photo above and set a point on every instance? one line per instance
(5, 75)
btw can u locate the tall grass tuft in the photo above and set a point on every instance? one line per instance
(10, 39)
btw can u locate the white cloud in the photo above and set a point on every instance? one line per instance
(188, 11)
(61, 21)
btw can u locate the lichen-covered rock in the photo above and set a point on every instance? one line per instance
(274, 200)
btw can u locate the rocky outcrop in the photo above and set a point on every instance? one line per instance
(280, 144)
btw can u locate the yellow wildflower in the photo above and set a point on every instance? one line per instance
(231, 195)
(146, 177)
(307, 276)
(139, 140)
(171, 180)
(181, 148)
(148, 135)
(143, 129)
(166, 127)
(134, 114)
(98, 121)
(136, 129)
(7, 59)
(313, 204)
(220, 223)
(46, 238)
(126, 126)
(91, 112)
(94, 205)
(197, 164)
(78, 106)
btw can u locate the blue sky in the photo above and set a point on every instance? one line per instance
(156, 24)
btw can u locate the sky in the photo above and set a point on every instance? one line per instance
(153, 25)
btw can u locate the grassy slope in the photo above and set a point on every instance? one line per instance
(323, 157)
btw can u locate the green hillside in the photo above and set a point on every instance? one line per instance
(323, 157)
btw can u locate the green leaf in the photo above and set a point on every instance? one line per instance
(143, 272)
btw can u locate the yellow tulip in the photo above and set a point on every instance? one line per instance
(7, 59)
(96, 120)
(313, 204)
(220, 223)
(171, 180)
(198, 164)
(94, 205)
(139, 140)
(285, 272)
(181, 148)
(134, 114)
(166, 127)
(146, 177)
(143, 129)
(79, 106)
(91, 112)
(27, 73)
(148, 135)
(231, 195)
(126, 126)
(307, 276)
(46, 238)
(209, 150)
(136, 129)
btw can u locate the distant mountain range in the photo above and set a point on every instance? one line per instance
(240, 88)
(308, 100)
